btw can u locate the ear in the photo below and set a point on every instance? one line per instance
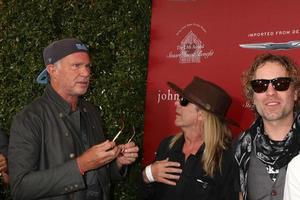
(51, 69)
(200, 115)
(296, 93)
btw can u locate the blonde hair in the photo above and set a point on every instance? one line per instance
(174, 140)
(217, 137)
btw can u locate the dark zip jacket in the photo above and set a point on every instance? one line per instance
(43, 148)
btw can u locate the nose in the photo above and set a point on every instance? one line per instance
(270, 90)
(176, 103)
(85, 71)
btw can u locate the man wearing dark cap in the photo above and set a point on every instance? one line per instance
(198, 162)
(57, 148)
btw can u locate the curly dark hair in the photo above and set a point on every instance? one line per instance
(285, 61)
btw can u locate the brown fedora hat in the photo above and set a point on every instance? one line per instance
(206, 95)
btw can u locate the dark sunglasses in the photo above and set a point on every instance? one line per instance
(279, 84)
(183, 101)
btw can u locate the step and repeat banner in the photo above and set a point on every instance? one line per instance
(216, 40)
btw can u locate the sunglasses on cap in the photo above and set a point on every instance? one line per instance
(183, 101)
(279, 84)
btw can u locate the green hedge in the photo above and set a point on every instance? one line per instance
(117, 34)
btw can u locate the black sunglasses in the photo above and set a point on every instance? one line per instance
(279, 84)
(183, 101)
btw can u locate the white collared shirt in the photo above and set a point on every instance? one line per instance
(292, 181)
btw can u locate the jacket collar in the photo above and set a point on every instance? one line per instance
(178, 146)
(55, 98)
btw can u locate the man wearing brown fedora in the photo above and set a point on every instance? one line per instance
(264, 150)
(198, 162)
(57, 147)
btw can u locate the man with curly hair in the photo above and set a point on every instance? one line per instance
(264, 150)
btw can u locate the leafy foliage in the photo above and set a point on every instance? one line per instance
(117, 34)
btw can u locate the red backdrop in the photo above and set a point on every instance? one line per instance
(202, 37)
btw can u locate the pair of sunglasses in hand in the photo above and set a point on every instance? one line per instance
(121, 130)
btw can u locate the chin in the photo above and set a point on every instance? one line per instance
(81, 92)
(177, 123)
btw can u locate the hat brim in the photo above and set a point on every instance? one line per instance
(42, 77)
(190, 98)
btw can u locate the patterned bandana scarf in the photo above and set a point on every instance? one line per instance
(274, 154)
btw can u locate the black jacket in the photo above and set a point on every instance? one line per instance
(42, 150)
(193, 183)
(3, 143)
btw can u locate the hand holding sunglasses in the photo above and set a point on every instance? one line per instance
(279, 84)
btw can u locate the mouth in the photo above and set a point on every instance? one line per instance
(272, 103)
(83, 84)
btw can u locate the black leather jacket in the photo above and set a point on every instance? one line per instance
(42, 150)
